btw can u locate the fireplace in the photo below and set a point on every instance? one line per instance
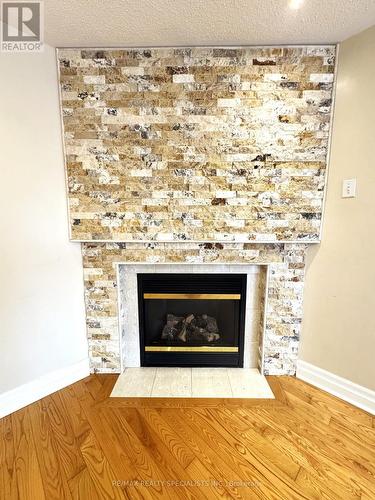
(212, 181)
(191, 319)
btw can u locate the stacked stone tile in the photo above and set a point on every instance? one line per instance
(284, 292)
(197, 144)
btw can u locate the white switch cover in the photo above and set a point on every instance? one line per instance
(349, 187)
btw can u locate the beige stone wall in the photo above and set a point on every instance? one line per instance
(196, 144)
(339, 323)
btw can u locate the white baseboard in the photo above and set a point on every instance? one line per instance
(26, 394)
(344, 389)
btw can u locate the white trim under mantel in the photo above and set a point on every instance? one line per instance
(354, 394)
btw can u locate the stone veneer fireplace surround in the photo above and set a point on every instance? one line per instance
(196, 156)
(283, 293)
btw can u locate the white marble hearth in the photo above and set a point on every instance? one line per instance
(192, 383)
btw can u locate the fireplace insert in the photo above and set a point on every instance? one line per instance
(191, 319)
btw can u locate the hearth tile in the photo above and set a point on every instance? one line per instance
(248, 383)
(135, 382)
(210, 383)
(192, 382)
(172, 383)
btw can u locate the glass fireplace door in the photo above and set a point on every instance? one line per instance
(192, 320)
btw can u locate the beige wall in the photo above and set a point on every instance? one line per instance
(339, 305)
(42, 326)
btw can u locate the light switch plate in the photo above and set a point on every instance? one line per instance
(349, 188)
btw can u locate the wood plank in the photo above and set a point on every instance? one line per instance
(188, 403)
(108, 382)
(303, 406)
(277, 389)
(8, 483)
(314, 488)
(159, 427)
(316, 478)
(142, 457)
(83, 395)
(27, 471)
(106, 431)
(79, 443)
(166, 449)
(67, 446)
(252, 439)
(336, 445)
(99, 469)
(341, 454)
(74, 411)
(211, 487)
(94, 386)
(363, 432)
(82, 487)
(324, 403)
(267, 471)
(218, 457)
(206, 459)
(54, 482)
(354, 434)
(335, 473)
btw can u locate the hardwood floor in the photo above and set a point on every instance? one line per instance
(78, 444)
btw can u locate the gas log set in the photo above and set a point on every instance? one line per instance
(190, 329)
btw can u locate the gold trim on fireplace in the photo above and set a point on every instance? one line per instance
(213, 349)
(196, 296)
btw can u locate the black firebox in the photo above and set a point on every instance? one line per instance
(192, 319)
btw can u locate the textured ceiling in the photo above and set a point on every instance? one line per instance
(109, 23)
